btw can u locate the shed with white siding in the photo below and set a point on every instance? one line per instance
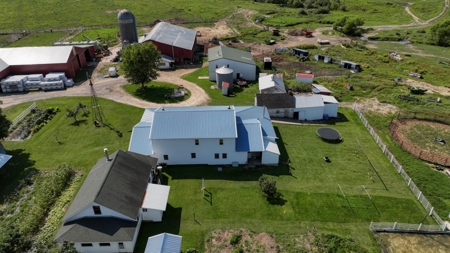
(331, 105)
(308, 107)
(155, 202)
(241, 62)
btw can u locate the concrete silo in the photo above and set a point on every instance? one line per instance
(224, 74)
(127, 27)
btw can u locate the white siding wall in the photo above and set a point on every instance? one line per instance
(303, 80)
(331, 109)
(114, 248)
(179, 151)
(152, 215)
(88, 211)
(281, 113)
(269, 158)
(310, 113)
(247, 71)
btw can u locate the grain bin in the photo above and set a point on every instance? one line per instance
(127, 27)
(224, 74)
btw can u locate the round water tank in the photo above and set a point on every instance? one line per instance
(127, 27)
(224, 74)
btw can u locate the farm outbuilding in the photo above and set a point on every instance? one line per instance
(241, 62)
(300, 52)
(351, 65)
(164, 243)
(271, 84)
(324, 58)
(172, 40)
(267, 63)
(224, 74)
(331, 106)
(279, 105)
(320, 89)
(155, 202)
(308, 107)
(42, 60)
(304, 78)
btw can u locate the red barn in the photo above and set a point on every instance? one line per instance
(42, 60)
(174, 41)
(4, 69)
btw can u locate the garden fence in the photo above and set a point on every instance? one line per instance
(425, 203)
(22, 115)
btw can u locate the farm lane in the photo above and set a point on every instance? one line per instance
(110, 88)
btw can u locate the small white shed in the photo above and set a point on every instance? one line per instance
(308, 107)
(155, 202)
(271, 84)
(304, 78)
(164, 243)
(331, 105)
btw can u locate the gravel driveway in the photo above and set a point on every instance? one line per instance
(110, 88)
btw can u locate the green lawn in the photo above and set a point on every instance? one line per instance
(155, 91)
(244, 96)
(309, 197)
(38, 39)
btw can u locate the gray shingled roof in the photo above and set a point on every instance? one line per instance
(169, 34)
(223, 52)
(275, 100)
(118, 184)
(97, 230)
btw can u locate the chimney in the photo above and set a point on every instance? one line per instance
(107, 155)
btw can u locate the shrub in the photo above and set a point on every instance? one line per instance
(235, 239)
(192, 250)
(267, 185)
(322, 10)
(238, 249)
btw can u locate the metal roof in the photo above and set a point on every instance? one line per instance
(156, 197)
(249, 136)
(164, 243)
(305, 75)
(36, 55)
(140, 142)
(307, 101)
(270, 81)
(106, 229)
(194, 122)
(169, 34)
(271, 146)
(329, 99)
(166, 58)
(321, 88)
(4, 158)
(109, 183)
(223, 52)
(3, 65)
(224, 70)
(257, 112)
(148, 115)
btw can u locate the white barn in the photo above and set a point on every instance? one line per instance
(106, 214)
(271, 84)
(215, 135)
(241, 62)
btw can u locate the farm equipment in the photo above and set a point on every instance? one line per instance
(416, 90)
(408, 98)
(271, 41)
(414, 74)
(307, 33)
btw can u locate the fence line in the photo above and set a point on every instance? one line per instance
(425, 203)
(22, 115)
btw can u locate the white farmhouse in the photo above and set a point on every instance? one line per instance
(271, 84)
(216, 135)
(107, 212)
(241, 62)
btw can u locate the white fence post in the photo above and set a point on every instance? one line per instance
(409, 182)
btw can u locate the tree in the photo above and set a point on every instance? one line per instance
(72, 113)
(12, 240)
(4, 125)
(348, 26)
(140, 63)
(267, 185)
(440, 34)
(68, 247)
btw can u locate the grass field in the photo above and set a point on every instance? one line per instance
(155, 91)
(38, 39)
(106, 36)
(309, 197)
(36, 15)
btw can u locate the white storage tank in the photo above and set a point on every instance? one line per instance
(224, 74)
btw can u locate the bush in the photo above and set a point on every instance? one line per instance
(192, 250)
(238, 249)
(267, 185)
(322, 10)
(235, 239)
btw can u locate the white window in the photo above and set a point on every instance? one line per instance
(224, 155)
(121, 245)
(197, 142)
(144, 210)
(221, 142)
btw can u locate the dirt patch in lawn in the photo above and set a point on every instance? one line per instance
(220, 29)
(220, 241)
(444, 91)
(407, 243)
